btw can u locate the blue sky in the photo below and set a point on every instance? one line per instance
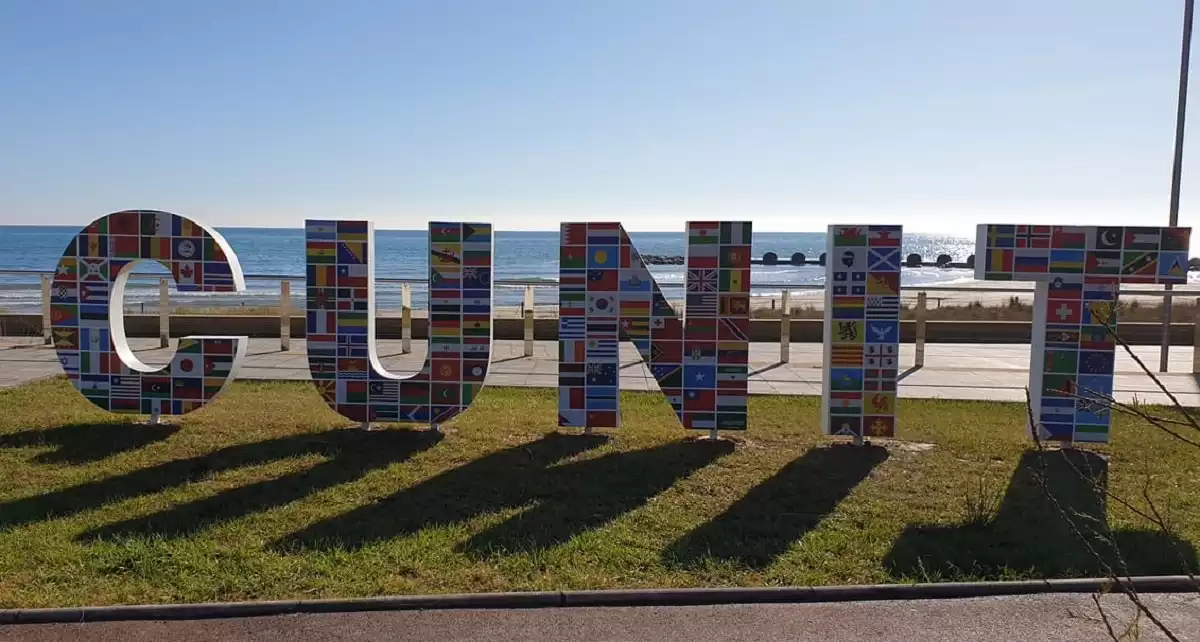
(938, 114)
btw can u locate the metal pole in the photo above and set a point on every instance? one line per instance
(1185, 54)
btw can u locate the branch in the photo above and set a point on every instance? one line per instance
(1191, 421)
(1126, 585)
(1104, 617)
(1109, 402)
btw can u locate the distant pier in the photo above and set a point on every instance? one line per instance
(798, 259)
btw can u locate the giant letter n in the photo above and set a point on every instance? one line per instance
(606, 293)
(341, 323)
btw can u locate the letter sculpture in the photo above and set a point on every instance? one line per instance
(1077, 271)
(862, 330)
(606, 292)
(341, 323)
(87, 317)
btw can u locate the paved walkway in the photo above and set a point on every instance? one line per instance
(952, 371)
(1050, 618)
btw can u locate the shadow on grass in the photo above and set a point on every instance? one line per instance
(352, 453)
(83, 443)
(566, 500)
(761, 526)
(588, 494)
(504, 479)
(1029, 535)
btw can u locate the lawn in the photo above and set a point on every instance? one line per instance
(267, 494)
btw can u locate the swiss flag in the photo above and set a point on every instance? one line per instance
(1061, 311)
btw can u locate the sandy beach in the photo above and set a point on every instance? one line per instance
(986, 293)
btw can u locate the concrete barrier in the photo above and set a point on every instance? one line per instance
(527, 315)
(164, 312)
(920, 331)
(1196, 341)
(406, 319)
(785, 328)
(285, 315)
(45, 320)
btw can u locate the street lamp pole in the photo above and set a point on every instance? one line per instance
(1185, 54)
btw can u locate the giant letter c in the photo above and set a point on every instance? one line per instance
(88, 321)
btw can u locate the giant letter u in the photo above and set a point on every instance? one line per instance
(341, 323)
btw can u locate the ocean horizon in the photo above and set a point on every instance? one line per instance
(403, 254)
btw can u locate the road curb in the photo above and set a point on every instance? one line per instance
(549, 599)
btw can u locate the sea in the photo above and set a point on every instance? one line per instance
(403, 254)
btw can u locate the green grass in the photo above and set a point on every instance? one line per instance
(267, 494)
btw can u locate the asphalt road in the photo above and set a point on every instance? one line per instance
(1050, 618)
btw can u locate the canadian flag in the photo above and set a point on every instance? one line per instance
(187, 273)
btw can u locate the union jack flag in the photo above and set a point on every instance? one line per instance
(702, 281)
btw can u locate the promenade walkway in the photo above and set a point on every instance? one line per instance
(952, 371)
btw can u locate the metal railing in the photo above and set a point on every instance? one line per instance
(920, 310)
